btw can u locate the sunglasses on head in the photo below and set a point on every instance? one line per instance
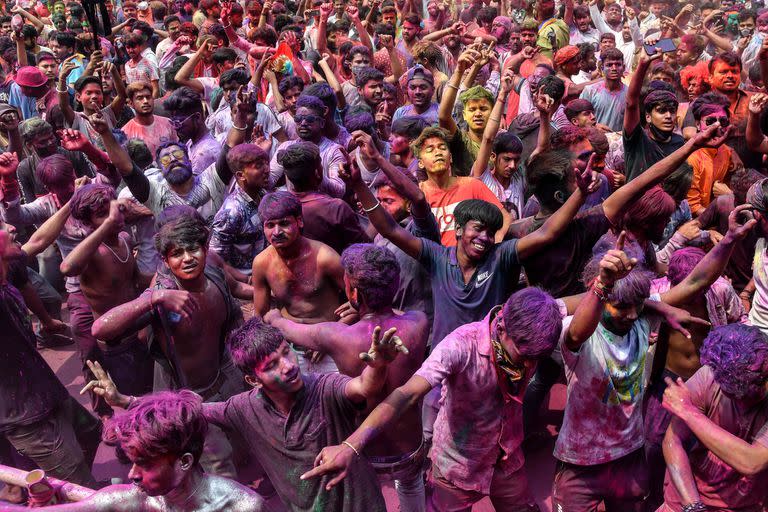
(724, 121)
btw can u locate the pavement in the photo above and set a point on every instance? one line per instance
(539, 462)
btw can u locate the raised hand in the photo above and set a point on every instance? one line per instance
(9, 121)
(261, 139)
(384, 348)
(325, 10)
(353, 12)
(116, 217)
(67, 67)
(99, 123)
(244, 103)
(736, 227)
(677, 398)
(529, 52)
(615, 263)
(176, 301)
(104, 386)
(545, 104)
(350, 172)
(758, 101)
(588, 180)
(386, 41)
(712, 136)
(9, 162)
(332, 460)
(467, 59)
(73, 140)
(365, 143)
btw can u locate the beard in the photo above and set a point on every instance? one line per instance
(178, 174)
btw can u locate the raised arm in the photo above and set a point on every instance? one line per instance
(333, 81)
(49, 230)
(322, 27)
(118, 103)
(28, 16)
(77, 142)
(492, 126)
(381, 220)
(756, 141)
(77, 261)
(614, 205)
(546, 107)
(62, 89)
(319, 337)
(445, 112)
(632, 112)
(184, 75)
(712, 265)
(354, 15)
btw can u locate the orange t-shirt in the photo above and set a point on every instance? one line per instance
(709, 165)
(444, 201)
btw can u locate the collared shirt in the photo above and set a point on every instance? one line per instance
(286, 446)
(332, 158)
(709, 165)
(477, 433)
(238, 233)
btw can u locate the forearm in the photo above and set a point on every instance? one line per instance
(322, 32)
(77, 260)
(721, 42)
(444, 113)
(21, 53)
(15, 142)
(62, 91)
(363, 34)
(184, 75)
(756, 141)
(119, 320)
(333, 81)
(679, 465)
(585, 320)
(98, 158)
(116, 154)
(542, 139)
(382, 418)
(437, 35)
(712, 265)
(470, 77)
(397, 66)
(46, 234)
(405, 186)
(300, 334)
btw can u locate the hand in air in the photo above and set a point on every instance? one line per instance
(616, 264)
(384, 348)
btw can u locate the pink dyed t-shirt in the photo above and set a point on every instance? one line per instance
(477, 433)
(720, 486)
(154, 135)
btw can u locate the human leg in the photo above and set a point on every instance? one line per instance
(510, 492)
(574, 488)
(446, 497)
(626, 482)
(656, 420)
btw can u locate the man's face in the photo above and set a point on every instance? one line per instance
(505, 164)
(358, 62)
(390, 18)
(515, 42)
(61, 52)
(475, 239)
(254, 176)
(662, 117)
(762, 25)
(373, 92)
(583, 23)
(290, 98)
(435, 158)
(657, 8)
(134, 51)
(394, 204)
(309, 124)
(58, 8)
(662, 76)
(175, 165)
(607, 42)
(91, 96)
(155, 477)
(45, 144)
(174, 30)
(279, 372)
(130, 11)
(420, 92)
(528, 37)
(686, 54)
(186, 263)
(747, 27)
(613, 14)
(589, 64)
(580, 151)
(283, 232)
(696, 87)
(49, 68)
(725, 78)
(236, 19)
(452, 41)
(410, 31)
(717, 115)
(619, 318)
(584, 119)
(476, 114)
(185, 125)
(432, 9)
(143, 102)
(215, 11)
(545, 8)
(398, 144)
(613, 69)
(499, 31)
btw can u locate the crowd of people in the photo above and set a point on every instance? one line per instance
(303, 247)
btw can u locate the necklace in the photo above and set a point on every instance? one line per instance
(181, 505)
(127, 255)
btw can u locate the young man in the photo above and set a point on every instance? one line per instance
(370, 87)
(609, 96)
(420, 88)
(152, 129)
(187, 118)
(63, 45)
(604, 347)
(643, 147)
(162, 437)
(326, 219)
(371, 276)
(32, 93)
(89, 93)
(139, 68)
(237, 231)
(582, 30)
(484, 366)
(108, 275)
(191, 311)
(403, 131)
(716, 448)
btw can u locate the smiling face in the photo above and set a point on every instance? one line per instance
(186, 263)
(420, 93)
(91, 96)
(282, 233)
(475, 239)
(613, 14)
(435, 158)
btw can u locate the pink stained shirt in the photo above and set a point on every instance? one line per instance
(477, 432)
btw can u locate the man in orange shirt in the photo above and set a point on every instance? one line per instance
(711, 166)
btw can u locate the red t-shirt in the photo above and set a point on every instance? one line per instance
(443, 202)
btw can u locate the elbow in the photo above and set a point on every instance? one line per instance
(750, 467)
(68, 269)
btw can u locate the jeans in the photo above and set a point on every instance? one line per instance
(548, 371)
(50, 298)
(408, 473)
(63, 445)
(48, 263)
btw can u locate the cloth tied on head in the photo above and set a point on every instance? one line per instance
(565, 54)
(660, 96)
(504, 21)
(756, 195)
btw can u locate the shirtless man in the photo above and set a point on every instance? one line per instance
(371, 277)
(304, 276)
(107, 269)
(191, 310)
(162, 435)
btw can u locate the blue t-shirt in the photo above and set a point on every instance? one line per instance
(456, 303)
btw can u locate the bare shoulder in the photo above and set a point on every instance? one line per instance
(239, 497)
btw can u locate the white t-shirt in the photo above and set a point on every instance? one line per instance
(606, 383)
(758, 315)
(207, 194)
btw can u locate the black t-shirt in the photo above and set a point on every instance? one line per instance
(641, 152)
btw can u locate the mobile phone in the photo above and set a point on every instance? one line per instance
(666, 45)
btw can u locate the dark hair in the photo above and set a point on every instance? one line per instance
(429, 132)
(678, 183)
(300, 162)
(168, 144)
(533, 320)
(266, 34)
(222, 55)
(244, 154)
(507, 142)
(158, 10)
(737, 354)
(139, 152)
(582, 11)
(183, 101)
(747, 14)
(368, 74)
(251, 343)
(409, 126)
(312, 103)
(238, 75)
(567, 136)
(586, 50)
(279, 204)
(170, 75)
(553, 86)
(741, 179)
(324, 93)
(412, 18)
(28, 31)
(185, 232)
(384, 29)
(546, 174)
(83, 81)
(729, 58)
(170, 19)
(709, 103)
(374, 271)
(289, 82)
(611, 54)
(145, 28)
(359, 49)
(90, 199)
(480, 211)
(67, 39)
(607, 35)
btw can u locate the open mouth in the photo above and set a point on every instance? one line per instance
(293, 376)
(479, 246)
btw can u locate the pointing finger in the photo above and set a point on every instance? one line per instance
(620, 240)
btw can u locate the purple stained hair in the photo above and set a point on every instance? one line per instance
(163, 423)
(682, 263)
(374, 271)
(91, 199)
(277, 205)
(632, 289)
(738, 357)
(651, 208)
(532, 319)
(251, 343)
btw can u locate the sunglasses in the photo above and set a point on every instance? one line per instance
(309, 118)
(176, 123)
(724, 121)
(176, 154)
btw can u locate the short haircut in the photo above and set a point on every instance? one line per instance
(324, 93)
(581, 11)
(480, 211)
(384, 29)
(598, 139)
(67, 39)
(567, 136)
(737, 354)
(237, 75)
(134, 39)
(163, 423)
(139, 152)
(682, 262)
(430, 132)
(478, 92)
(54, 171)
(266, 34)
(168, 144)
(170, 74)
(170, 19)
(632, 289)
(546, 174)
(222, 55)
(278, 205)
(361, 120)
(507, 142)
(84, 81)
(747, 14)
(183, 101)
(374, 271)
(251, 343)
(300, 162)
(409, 126)
(553, 86)
(652, 207)
(729, 58)
(381, 180)
(611, 54)
(607, 35)
(697, 43)
(246, 154)
(312, 103)
(412, 18)
(741, 179)
(368, 74)
(289, 82)
(679, 182)
(359, 50)
(533, 320)
(185, 232)
(90, 199)
(709, 103)
(33, 128)
(136, 87)
(29, 31)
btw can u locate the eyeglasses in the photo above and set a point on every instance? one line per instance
(176, 123)
(724, 121)
(176, 154)
(309, 118)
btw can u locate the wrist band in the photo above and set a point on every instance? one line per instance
(369, 210)
(494, 119)
(65, 91)
(352, 447)
(696, 506)
(238, 128)
(452, 86)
